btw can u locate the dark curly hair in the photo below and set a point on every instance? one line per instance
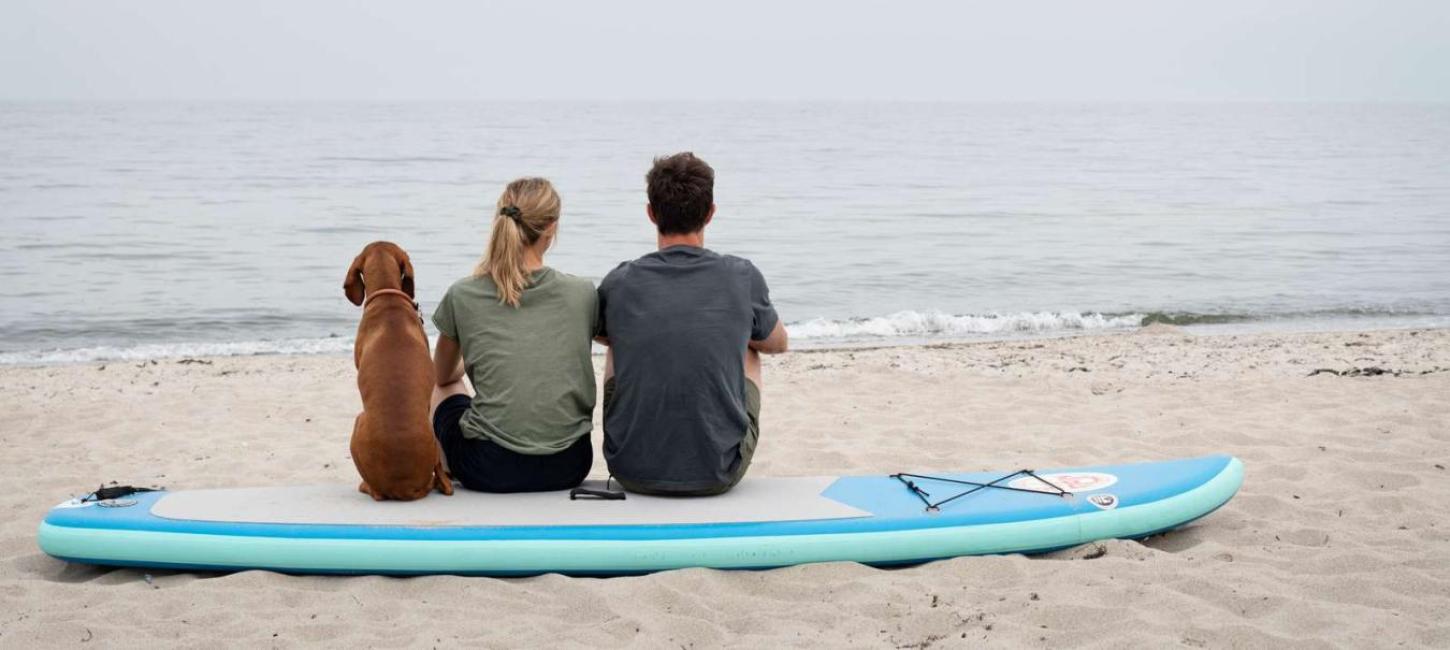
(681, 191)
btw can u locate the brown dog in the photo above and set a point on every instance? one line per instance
(392, 439)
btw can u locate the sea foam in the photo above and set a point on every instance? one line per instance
(328, 345)
(915, 324)
(904, 325)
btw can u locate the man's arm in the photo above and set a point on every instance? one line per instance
(447, 361)
(776, 343)
(763, 315)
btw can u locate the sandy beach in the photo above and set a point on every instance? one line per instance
(1340, 535)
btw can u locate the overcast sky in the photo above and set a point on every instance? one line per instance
(1005, 50)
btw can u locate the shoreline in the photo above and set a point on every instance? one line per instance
(1200, 330)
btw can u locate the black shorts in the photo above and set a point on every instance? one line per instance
(485, 466)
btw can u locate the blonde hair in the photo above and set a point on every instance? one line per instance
(526, 209)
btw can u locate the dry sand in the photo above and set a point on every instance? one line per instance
(1340, 535)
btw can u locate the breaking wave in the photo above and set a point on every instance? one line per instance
(915, 324)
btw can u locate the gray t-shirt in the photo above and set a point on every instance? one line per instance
(678, 321)
(530, 365)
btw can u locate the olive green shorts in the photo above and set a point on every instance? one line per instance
(747, 447)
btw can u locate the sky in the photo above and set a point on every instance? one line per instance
(963, 50)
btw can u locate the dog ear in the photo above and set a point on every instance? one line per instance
(352, 285)
(408, 276)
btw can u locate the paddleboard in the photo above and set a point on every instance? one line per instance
(764, 522)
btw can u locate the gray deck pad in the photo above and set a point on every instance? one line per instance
(754, 500)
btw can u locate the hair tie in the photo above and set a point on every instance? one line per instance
(512, 212)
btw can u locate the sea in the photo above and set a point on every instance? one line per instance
(145, 230)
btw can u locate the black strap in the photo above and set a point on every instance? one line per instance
(932, 507)
(587, 493)
(606, 494)
(116, 491)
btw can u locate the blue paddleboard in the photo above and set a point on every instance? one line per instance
(762, 523)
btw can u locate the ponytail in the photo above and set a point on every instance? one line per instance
(526, 209)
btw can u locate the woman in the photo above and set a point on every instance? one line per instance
(521, 331)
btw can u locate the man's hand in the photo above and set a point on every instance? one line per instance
(776, 343)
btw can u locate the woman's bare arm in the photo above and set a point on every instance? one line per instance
(447, 361)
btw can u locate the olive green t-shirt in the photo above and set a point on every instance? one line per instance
(530, 366)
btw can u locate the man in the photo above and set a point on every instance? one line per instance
(686, 327)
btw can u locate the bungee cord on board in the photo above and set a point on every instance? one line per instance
(934, 507)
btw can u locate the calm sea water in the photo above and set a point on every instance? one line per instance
(150, 229)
